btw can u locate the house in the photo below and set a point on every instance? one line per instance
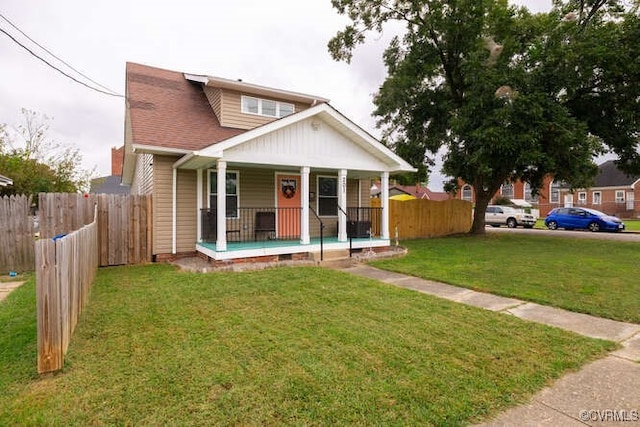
(241, 171)
(111, 184)
(419, 191)
(5, 182)
(520, 194)
(613, 192)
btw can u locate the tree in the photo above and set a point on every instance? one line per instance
(509, 94)
(37, 164)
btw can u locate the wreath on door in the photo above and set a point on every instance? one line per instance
(288, 188)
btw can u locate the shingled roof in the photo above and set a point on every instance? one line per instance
(166, 110)
(610, 176)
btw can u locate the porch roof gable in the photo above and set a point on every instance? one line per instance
(363, 150)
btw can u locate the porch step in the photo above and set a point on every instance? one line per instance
(334, 259)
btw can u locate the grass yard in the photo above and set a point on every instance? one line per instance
(304, 346)
(590, 276)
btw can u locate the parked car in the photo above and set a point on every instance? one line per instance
(582, 218)
(496, 216)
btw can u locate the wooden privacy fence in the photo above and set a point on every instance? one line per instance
(422, 218)
(124, 223)
(65, 269)
(16, 234)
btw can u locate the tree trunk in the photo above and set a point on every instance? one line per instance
(482, 201)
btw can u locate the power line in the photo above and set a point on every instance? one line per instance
(112, 93)
(54, 55)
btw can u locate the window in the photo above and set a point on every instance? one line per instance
(467, 194)
(596, 197)
(582, 197)
(619, 196)
(507, 190)
(527, 193)
(327, 196)
(266, 107)
(231, 190)
(554, 192)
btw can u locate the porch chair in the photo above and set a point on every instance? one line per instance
(265, 223)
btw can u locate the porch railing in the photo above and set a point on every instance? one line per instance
(253, 224)
(264, 224)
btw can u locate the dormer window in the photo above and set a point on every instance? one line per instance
(266, 107)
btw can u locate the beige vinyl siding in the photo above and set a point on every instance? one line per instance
(214, 95)
(162, 204)
(163, 207)
(186, 212)
(143, 177)
(232, 116)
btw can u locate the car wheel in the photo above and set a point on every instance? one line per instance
(512, 223)
(594, 226)
(552, 225)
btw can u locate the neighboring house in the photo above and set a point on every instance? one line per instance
(520, 194)
(239, 170)
(613, 192)
(419, 191)
(5, 182)
(111, 184)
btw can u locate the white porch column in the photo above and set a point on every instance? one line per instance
(304, 221)
(221, 217)
(199, 205)
(384, 196)
(342, 203)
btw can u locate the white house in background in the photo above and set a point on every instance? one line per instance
(239, 170)
(5, 182)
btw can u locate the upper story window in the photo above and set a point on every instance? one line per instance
(266, 107)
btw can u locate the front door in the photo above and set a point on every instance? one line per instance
(289, 199)
(630, 200)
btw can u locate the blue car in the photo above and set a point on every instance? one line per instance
(583, 218)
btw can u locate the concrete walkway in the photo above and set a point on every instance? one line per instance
(604, 392)
(6, 288)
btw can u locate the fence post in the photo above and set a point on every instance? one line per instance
(48, 308)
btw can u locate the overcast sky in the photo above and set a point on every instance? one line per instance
(279, 43)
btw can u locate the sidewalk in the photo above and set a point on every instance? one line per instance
(7, 287)
(604, 392)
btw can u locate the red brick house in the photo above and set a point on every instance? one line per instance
(613, 192)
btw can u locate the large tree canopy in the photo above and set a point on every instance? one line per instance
(509, 94)
(37, 164)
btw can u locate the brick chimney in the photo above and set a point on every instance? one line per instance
(117, 158)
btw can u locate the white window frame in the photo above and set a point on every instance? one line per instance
(505, 186)
(211, 194)
(318, 195)
(467, 188)
(582, 197)
(596, 200)
(279, 104)
(554, 190)
(619, 196)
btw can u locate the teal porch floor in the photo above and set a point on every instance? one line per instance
(277, 243)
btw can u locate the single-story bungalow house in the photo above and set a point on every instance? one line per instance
(242, 171)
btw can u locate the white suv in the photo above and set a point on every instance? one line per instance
(505, 215)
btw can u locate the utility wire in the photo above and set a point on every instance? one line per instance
(110, 93)
(54, 55)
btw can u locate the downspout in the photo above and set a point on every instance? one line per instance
(174, 212)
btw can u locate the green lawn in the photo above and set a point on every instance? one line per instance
(303, 346)
(584, 275)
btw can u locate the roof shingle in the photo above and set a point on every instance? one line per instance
(166, 110)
